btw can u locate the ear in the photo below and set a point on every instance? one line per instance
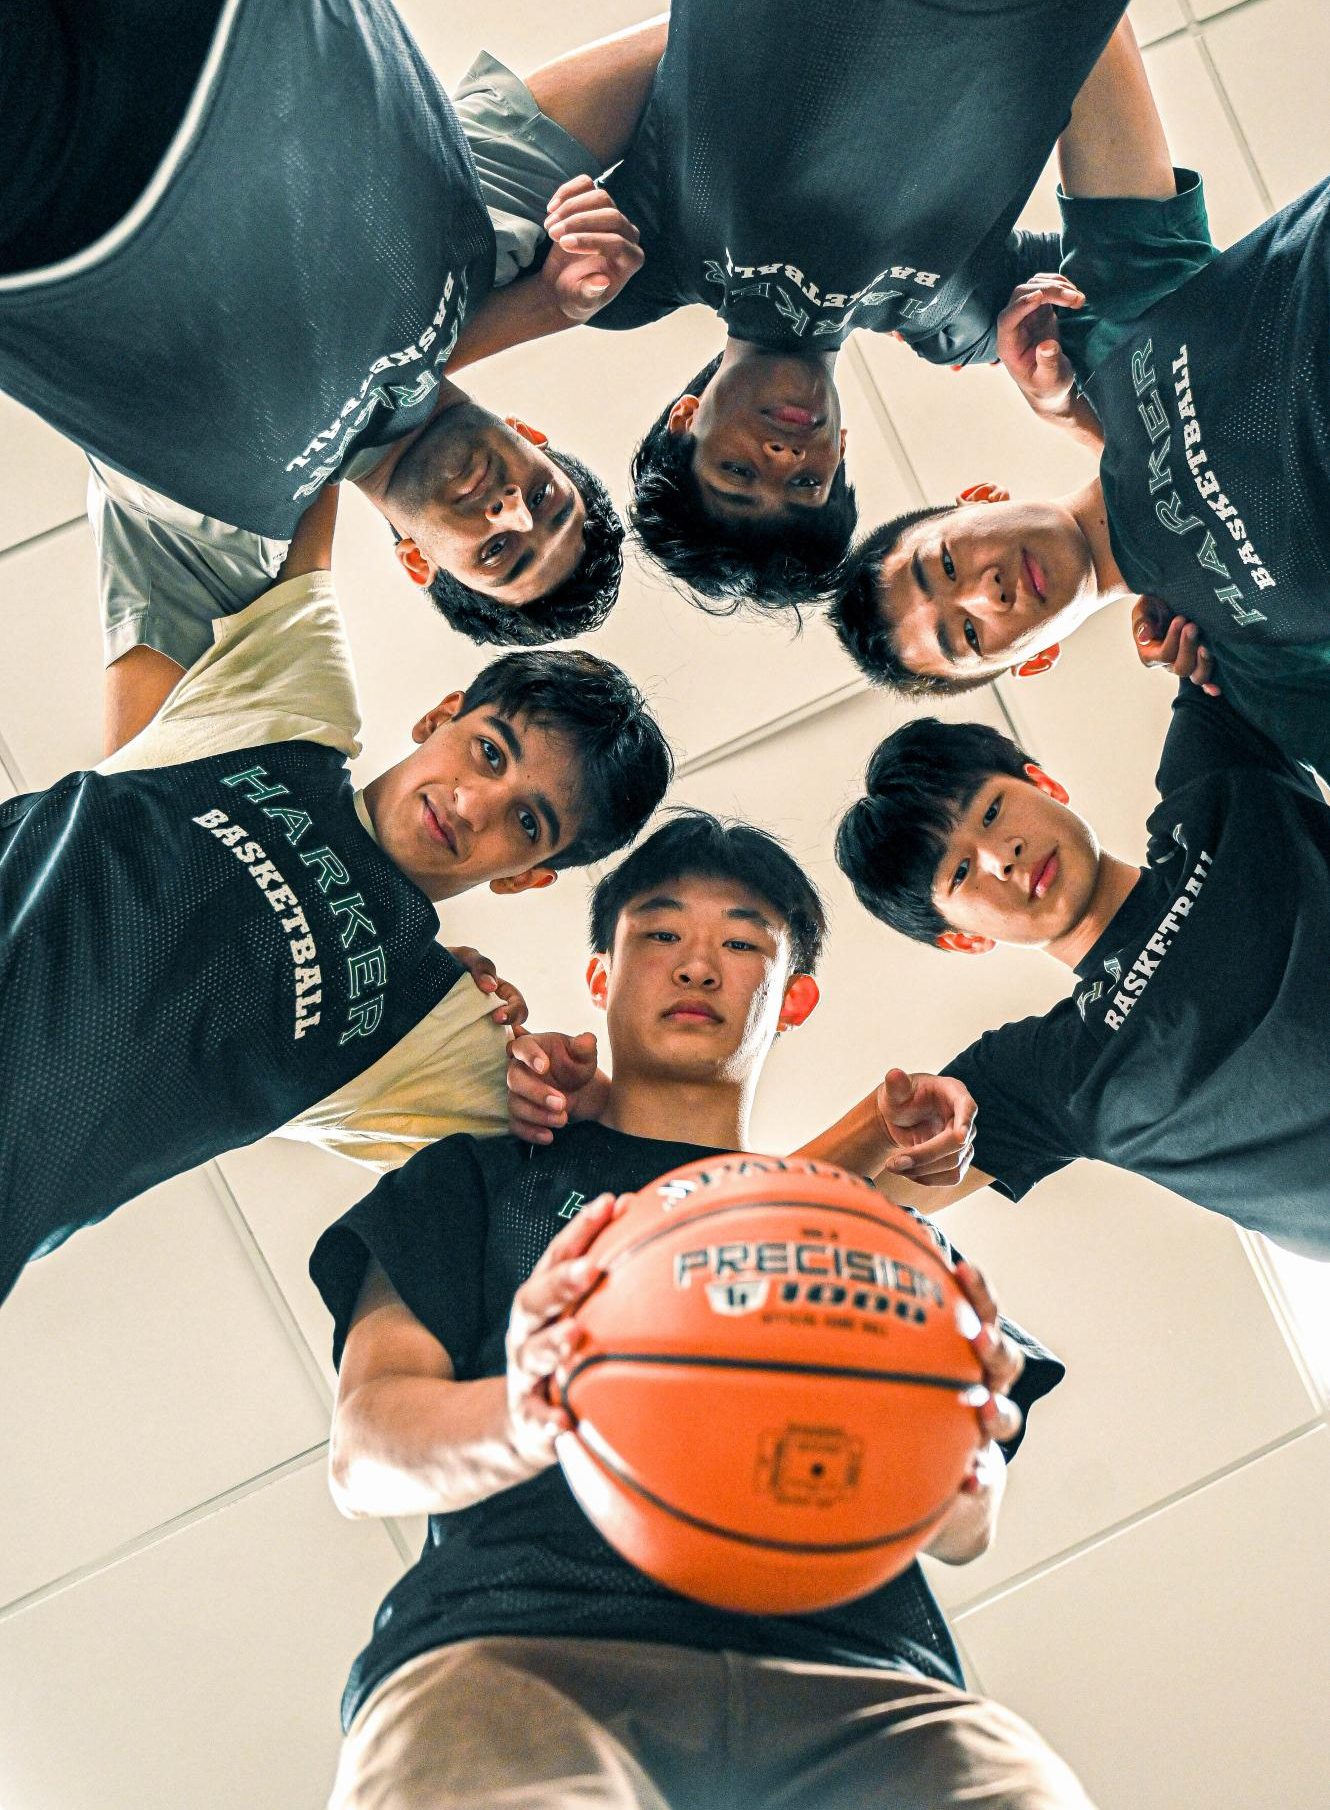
(443, 712)
(1046, 783)
(983, 493)
(1038, 663)
(800, 997)
(418, 566)
(681, 415)
(531, 879)
(524, 428)
(844, 436)
(960, 942)
(598, 980)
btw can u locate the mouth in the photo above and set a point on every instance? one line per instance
(1044, 875)
(475, 478)
(438, 828)
(694, 1012)
(789, 416)
(1034, 576)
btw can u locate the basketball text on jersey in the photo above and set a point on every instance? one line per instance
(366, 968)
(1169, 507)
(780, 283)
(1136, 979)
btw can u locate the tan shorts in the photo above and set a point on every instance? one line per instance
(525, 1724)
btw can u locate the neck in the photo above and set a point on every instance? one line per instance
(1087, 507)
(742, 351)
(375, 483)
(1115, 881)
(692, 1112)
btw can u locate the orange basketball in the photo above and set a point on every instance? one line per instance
(773, 1402)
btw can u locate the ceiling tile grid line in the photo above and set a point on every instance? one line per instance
(960, 1607)
(154, 1536)
(1232, 115)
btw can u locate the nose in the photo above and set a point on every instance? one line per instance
(694, 968)
(1000, 858)
(509, 508)
(995, 593)
(782, 453)
(473, 803)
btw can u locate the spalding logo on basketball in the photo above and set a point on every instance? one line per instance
(774, 1402)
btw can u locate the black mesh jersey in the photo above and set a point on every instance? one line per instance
(1193, 1049)
(458, 1229)
(189, 956)
(290, 285)
(809, 166)
(1216, 416)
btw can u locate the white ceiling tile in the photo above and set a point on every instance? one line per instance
(50, 657)
(43, 476)
(1272, 59)
(152, 1373)
(1201, 138)
(1180, 1663)
(1153, 19)
(203, 1673)
(523, 36)
(1209, 9)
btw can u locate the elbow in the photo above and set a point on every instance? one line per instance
(342, 1474)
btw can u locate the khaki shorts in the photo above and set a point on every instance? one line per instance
(521, 157)
(527, 1724)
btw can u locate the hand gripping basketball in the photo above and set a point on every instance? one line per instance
(540, 1338)
(780, 1385)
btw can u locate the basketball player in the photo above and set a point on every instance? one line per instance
(1192, 1046)
(237, 244)
(806, 169)
(521, 1660)
(213, 934)
(1201, 379)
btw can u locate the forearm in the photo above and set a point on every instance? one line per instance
(1080, 422)
(970, 1528)
(523, 311)
(1114, 143)
(859, 1142)
(137, 685)
(414, 1445)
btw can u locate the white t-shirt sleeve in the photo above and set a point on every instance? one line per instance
(278, 671)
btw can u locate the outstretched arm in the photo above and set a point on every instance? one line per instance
(597, 94)
(914, 1135)
(1114, 143)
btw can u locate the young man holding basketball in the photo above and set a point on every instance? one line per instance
(521, 1659)
(1200, 378)
(1192, 1047)
(213, 935)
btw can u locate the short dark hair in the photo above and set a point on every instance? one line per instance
(781, 563)
(856, 614)
(919, 783)
(696, 845)
(580, 604)
(625, 765)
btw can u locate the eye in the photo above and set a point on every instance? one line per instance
(805, 480)
(960, 875)
(948, 563)
(493, 550)
(736, 470)
(662, 936)
(990, 815)
(530, 824)
(538, 495)
(972, 636)
(737, 942)
(490, 753)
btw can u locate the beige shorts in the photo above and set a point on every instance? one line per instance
(526, 1724)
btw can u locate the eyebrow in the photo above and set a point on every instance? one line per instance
(737, 498)
(917, 567)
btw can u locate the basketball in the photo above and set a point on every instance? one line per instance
(773, 1399)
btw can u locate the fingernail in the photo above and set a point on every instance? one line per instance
(554, 1102)
(900, 1163)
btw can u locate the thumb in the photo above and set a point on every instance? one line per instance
(594, 286)
(584, 1044)
(897, 1091)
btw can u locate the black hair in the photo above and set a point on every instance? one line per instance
(919, 783)
(580, 604)
(624, 762)
(782, 562)
(867, 636)
(696, 845)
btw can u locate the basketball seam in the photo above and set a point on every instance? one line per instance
(605, 1455)
(766, 1366)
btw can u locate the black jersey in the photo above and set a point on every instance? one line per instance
(289, 287)
(189, 957)
(1194, 1047)
(810, 166)
(458, 1230)
(1216, 416)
